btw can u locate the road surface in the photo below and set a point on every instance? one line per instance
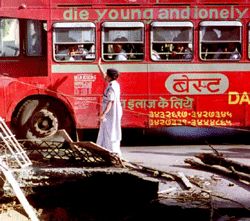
(226, 192)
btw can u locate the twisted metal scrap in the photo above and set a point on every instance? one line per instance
(55, 153)
(7, 156)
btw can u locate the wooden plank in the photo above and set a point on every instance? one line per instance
(185, 180)
(167, 191)
(85, 144)
(89, 145)
(93, 146)
(8, 175)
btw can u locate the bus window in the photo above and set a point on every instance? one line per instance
(9, 38)
(171, 41)
(74, 41)
(34, 38)
(123, 41)
(220, 40)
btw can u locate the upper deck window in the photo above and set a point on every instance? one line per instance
(9, 38)
(171, 41)
(220, 40)
(123, 41)
(74, 41)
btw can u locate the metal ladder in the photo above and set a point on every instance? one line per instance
(19, 155)
(14, 147)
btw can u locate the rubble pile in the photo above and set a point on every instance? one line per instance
(73, 180)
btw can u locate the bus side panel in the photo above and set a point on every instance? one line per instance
(203, 99)
(29, 3)
(84, 92)
(135, 111)
(29, 67)
(134, 98)
(3, 83)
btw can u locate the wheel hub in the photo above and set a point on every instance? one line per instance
(44, 123)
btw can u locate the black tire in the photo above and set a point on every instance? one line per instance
(40, 118)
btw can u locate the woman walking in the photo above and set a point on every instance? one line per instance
(110, 134)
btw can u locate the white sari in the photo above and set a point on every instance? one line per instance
(110, 134)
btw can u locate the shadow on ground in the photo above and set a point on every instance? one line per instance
(175, 136)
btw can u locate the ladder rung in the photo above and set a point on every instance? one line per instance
(9, 136)
(16, 150)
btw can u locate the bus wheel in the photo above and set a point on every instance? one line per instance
(40, 118)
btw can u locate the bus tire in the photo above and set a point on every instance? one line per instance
(41, 118)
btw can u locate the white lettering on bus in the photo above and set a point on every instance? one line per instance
(215, 83)
(149, 14)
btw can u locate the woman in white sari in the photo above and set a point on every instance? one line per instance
(110, 134)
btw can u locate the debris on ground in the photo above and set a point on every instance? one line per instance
(64, 170)
(221, 165)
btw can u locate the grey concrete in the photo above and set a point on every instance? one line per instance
(171, 159)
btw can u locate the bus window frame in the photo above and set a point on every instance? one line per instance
(122, 25)
(71, 25)
(19, 38)
(166, 24)
(221, 24)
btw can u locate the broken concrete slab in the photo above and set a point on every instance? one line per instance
(86, 190)
(32, 178)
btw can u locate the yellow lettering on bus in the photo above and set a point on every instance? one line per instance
(244, 98)
(233, 97)
(236, 98)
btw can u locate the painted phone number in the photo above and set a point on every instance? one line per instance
(193, 122)
(192, 114)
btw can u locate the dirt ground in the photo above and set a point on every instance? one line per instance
(18, 214)
(13, 215)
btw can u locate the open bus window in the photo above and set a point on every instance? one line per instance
(34, 38)
(9, 38)
(74, 41)
(123, 41)
(171, 41)
(220, 40)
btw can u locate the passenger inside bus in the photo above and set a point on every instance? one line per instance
(157, 48)
(177, 51)
(122, 50)
(155, 56)
(119, 49)
(78, 52)
(74, 52)
(62, 52)
(220, 40)
(182, 52)
(234, 53)
(222, 51)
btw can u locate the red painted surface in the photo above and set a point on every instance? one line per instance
(158, 98)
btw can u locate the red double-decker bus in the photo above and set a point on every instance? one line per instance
(182, 63)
